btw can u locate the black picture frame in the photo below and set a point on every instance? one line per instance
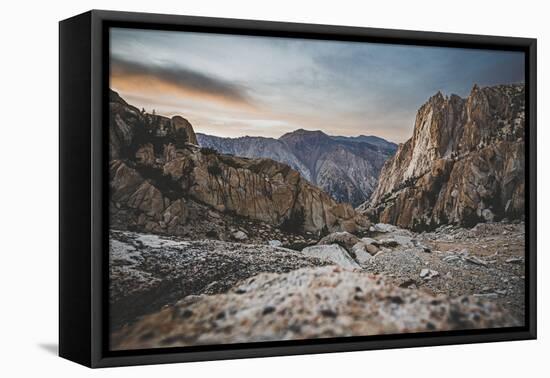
(83, 236)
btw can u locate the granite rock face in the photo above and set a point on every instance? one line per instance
(131, 129)
(464, 164)
(157, 169)
(304, 304)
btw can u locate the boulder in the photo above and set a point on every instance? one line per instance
(404, 241)
(240, 235)
(333, 253)
(372, 249)
(307, 303)
(368, 240)
(514, 260)
(275, 243)
(383, 227)
(362, 253)
(428, 274)
(344, 239)
(147, 272)
(184, 130)
(487, 215)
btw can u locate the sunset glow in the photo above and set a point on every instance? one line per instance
(232, 86)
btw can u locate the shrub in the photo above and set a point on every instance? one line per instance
(230, 161)
(165, 183)
(496, 204)
(209, 151)
(443, 219)
(421, 225)
(470, 219)
(214, 169)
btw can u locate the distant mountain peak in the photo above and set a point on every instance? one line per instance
(345, 167)
(304, 133)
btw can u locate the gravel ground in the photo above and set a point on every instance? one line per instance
(154, 276)
(487, 261)
(149, 271)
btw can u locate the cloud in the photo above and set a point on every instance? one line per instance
(235, 85)
(133, 76)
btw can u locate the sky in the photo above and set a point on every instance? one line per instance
(234, 85)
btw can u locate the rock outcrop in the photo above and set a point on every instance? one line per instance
(347, 168)
(156, 169)
(304, 304)
(130, 129)
(464, 164)
(343, 239)
(148, 271)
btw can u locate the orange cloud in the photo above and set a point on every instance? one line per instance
(138, 78)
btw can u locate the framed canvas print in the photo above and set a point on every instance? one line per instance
(233, 188)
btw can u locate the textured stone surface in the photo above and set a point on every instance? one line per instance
(332, 253)
(464, 163)
(183, 127)
(304, 304)
(363, 252)
(148, 271)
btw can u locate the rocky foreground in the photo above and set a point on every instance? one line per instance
(148, 272)
(173, 292)
(305, 304)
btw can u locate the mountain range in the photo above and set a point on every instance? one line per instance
(464, 164)
(346, 168)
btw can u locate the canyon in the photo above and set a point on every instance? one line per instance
(225, 240)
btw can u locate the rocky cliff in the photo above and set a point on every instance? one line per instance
(464, 163)
(158, 173)
(346, 168)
